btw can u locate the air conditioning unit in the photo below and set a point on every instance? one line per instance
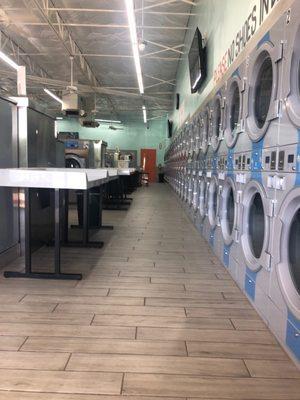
(72, 103)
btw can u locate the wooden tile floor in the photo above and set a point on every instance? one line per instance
(155, 317)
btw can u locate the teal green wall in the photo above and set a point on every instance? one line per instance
(135, 135)
(219, 21)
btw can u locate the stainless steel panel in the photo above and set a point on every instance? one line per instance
(41, 152)
(9, 236)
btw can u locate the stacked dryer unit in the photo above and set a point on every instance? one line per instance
(246, 201)
(284, 307)
(205, 126)
(197, 169)
(216, 149)
(257, 166)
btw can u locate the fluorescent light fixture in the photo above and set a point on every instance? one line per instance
(109, 121)
(134, 42)
(51, 94)
(197, 80)
(145, 114)
(59, 118)
(8, 60)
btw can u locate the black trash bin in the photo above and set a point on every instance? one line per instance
(94, 207)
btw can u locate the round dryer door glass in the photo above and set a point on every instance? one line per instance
(234, 107)
(263, 92)
(230, 209)
(294, 250)
(217, 118)
(256, 225)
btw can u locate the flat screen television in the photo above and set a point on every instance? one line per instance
(197, 62)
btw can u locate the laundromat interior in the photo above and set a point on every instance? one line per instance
(150, 199)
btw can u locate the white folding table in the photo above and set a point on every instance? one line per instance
(60, 180)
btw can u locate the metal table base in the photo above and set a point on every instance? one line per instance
(57, 274)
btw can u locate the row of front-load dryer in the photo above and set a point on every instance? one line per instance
(236, 168)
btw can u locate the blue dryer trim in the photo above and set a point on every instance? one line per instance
(256, 160)
(250, 283)
(264, 39)
(294, 321)
(230, 162)
(236, 73)
(292, 338)
(212, 238)
(226, 255)
(215, 165)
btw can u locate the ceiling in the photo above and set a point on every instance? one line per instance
(44, 34)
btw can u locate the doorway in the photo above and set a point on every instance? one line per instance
(148, 163)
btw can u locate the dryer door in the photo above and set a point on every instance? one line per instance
(233, 111)
(205, 131)
(197, 135)
(291, 87)
(287, 259)
(262, 91)
(186, 188)
(196, 193)
(213, 202)
(228, 211)
(217, 123)
(73, 161)
(202, 197)
(255, 226)
(190, 191)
